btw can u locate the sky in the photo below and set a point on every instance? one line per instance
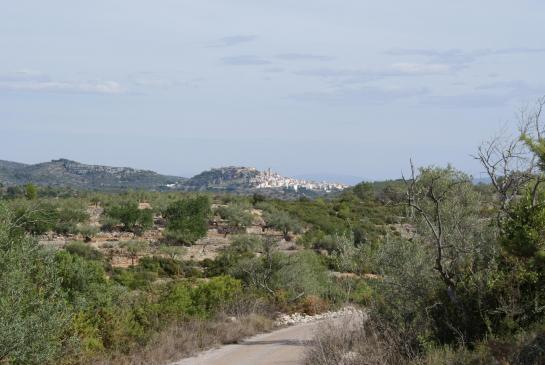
(336, 89)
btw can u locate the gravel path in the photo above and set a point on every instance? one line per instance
(285, 346)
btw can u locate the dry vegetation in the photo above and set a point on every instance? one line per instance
(187, 338)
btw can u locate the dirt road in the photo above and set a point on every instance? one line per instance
(284, 346)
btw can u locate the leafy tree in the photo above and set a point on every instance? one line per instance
(133, 219)
(282, 221)
(238, 216)
(187, 219)
(134, 249)
(35, 217)
(445, 209)
(364, 191)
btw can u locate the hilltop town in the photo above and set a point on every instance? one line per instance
(269, 179)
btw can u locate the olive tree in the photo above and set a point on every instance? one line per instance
(282, 221)
(446, 211)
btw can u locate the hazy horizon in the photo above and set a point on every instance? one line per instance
(305, 88)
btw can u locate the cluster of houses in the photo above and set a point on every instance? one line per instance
(269, 179)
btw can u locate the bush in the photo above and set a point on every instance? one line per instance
(83, 250)
(35, 218)
(187, 219)
(246, 244)
(130, 216)
(33, 312)
(203, 300)
(282, 221)
(215, 293)
(355, 340)
(238, 216)
(163, 266)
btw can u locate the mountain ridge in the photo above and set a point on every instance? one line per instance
(238, 179)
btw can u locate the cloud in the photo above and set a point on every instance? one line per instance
(234, 40)
(273, 70)
(359, 76)
(488, 95)
(244, 60)
(370, 95)
(35, 81)
(468, 100)
(400, 69)
(303, 57)
(457, 56)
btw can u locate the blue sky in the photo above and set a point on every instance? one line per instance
(305, 87)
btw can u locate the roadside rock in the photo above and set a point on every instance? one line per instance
(296, 318)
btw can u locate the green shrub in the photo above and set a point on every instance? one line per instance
(130, 216)
(211, 295)
(187, 219)
(36, 218)
(134, 278)
(282, 221)
(246, 243)
(83, 250)
(33, 312)
(163, 266)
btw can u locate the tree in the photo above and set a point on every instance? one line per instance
(33, 312)
(134, 249)
(282, 221)
(133, 219)
(31, 192)
(238, 217)
(173, 252)
(513, 162)
(364, 191)
(187, 219)
(445, 209)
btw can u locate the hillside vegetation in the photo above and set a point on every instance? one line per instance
(449, 272)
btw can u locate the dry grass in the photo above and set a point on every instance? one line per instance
(186, 338)
(355, 341)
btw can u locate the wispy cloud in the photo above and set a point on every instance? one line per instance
(368, 95)
(488, 95)
(35, 81)
(273, 70)
(358, 76)
(303, 57)
(233, 40)
(244, 60)
(458, 56)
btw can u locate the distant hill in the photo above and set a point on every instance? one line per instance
(223, 178)
(67, 173)
(234, 179)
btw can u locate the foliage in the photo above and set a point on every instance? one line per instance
(83, 250)
(187, 219)
(130, 216)
(31, 192)
(237, 215)
(246, 243)
(33, 314)
(134, 248)
(282, 221)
